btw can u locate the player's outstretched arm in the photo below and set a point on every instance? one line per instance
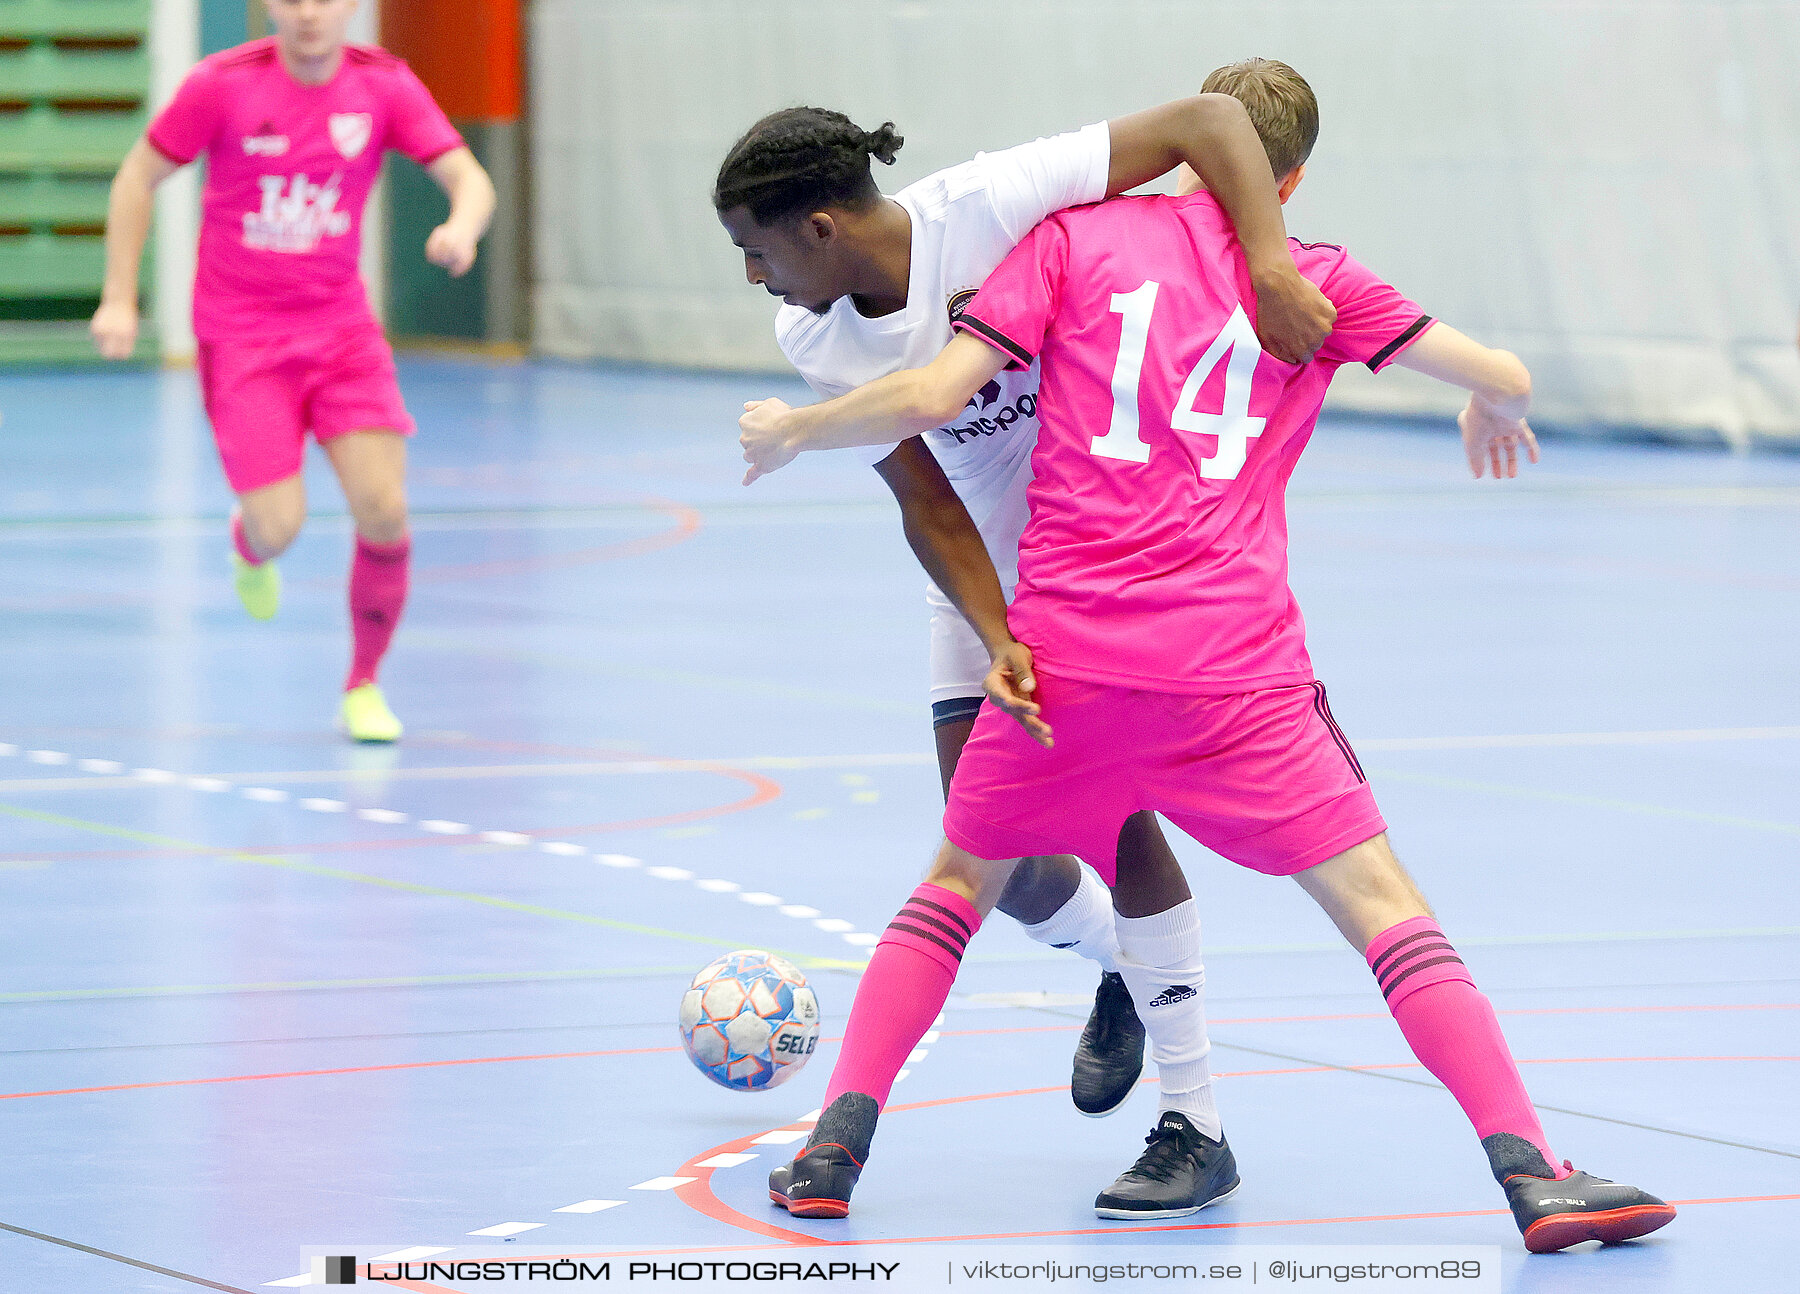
(472, 202)
(1213, 134)
(1493, 426)
(883, 412)
(128, 210)
(944, 539)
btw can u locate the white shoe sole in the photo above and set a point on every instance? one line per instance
(1133, 1215)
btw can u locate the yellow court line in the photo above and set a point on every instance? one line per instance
(409, 887)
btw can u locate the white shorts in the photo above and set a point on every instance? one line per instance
(959, 663)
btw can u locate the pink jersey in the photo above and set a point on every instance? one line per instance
(1156, 554)
(289, 167)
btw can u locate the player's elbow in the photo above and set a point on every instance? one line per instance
(931, 403)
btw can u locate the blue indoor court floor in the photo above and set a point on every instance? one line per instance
(260, 988)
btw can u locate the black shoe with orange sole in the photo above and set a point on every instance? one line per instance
(1554, 1213)
(819, 1180)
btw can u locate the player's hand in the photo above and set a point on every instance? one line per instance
(115, 329)
(452, 248)
(762, 431)
(1492, 441)
(1293, 318)
(1010, 684)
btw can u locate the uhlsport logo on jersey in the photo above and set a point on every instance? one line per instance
(334, 1271)
(266, 142)
(296, 214)
(350, 131)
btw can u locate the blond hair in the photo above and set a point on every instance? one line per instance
(1281, 106)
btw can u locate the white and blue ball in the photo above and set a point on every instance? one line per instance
(749, 1021)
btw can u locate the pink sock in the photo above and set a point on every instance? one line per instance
(378, 578)
(240, 542)
(1453, 1031)
(901, 993)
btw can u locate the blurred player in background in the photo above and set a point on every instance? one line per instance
(1171, 670)
(293, 128)
(870, 285)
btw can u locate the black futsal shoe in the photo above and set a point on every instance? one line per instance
(817, 1184)
(1181, 1171)
(1555, 1214)
(1109, 1059)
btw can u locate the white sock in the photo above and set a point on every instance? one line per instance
(1083, 924)
(1159, 958)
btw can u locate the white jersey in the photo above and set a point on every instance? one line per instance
(965, 219)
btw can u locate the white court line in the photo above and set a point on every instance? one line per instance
(324, 806)
(664, 1183)
(1498, 741)
(264, 794)
(390, 816)
(780, 1137)
(1670, 736)
(589, 1206)
(726, 1160)
(291, 1282)
(440, 827)
(507, 1229)
(408, 1255)
(669, 873)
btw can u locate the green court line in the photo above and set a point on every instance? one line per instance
(407, 887)
(1587, 801)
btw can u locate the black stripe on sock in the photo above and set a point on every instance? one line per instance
(1414, 969)
(925, 918)
(1413, 955)
(918, 932)
(967, 930)
(1380, 964)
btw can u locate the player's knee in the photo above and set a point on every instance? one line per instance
(272, 529)
(975, 879)
(1038, 887)
(381, 515)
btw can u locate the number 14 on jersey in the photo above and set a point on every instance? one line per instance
(1233, 424)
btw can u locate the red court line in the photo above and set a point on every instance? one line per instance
(698, 1194)
(319, 1073)
(920, 1105)
(687, 525)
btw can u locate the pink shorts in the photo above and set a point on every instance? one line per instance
(1262, 778)
(264, 396)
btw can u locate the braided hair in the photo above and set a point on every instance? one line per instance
(802, 159)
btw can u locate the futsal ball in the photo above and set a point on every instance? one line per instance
(749, 1021)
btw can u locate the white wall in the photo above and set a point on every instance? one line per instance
(1610, 188)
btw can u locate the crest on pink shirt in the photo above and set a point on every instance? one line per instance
(350, 131)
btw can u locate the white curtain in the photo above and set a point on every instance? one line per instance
(1609, 188)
